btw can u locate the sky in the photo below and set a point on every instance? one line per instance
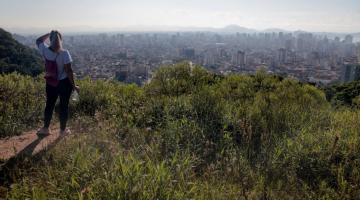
(308, 15)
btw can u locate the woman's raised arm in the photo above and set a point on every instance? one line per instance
(42, 39)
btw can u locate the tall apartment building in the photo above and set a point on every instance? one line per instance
(282, 55)
(358, 53)
(351, 72)
(238, 59)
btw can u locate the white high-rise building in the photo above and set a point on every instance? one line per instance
(348, 39)
(350, 72)
(358, 52)
(282, 55)
(239, 59)
(209, 58)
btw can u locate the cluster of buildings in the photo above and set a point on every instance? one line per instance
(133, 57)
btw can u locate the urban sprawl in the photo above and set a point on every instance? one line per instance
(133, 57)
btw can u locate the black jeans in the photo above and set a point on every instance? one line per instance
(63, 90)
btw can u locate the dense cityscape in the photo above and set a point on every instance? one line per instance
(132, 57)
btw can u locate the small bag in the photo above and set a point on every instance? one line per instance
(51, 72)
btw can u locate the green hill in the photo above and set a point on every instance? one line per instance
(189, 134)
(17, 57)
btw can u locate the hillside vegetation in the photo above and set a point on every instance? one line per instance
(17, 57)
(345, 94)
(190, 134)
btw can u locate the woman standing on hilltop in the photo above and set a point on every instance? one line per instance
(59, 79)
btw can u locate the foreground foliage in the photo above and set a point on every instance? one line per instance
(21, 103)
(190, 134)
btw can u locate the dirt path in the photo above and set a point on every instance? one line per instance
(27, 144)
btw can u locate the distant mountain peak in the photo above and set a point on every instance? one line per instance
(236, 28)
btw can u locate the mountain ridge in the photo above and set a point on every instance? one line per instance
(231, 28)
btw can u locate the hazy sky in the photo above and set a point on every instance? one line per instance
(310, 15)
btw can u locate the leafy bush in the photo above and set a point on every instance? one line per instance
(95, 96)
(179, 79)
(343, 94)
(21, 103)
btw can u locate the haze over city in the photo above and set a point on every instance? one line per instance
(114, 15)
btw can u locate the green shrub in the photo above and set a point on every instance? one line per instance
(343, 94)
(94, 96)
(22, 103)
(179, 79)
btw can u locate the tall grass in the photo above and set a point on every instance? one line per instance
(21, 103)
(193, 135)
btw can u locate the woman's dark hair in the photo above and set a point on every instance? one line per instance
(55, 41)
(53, 33)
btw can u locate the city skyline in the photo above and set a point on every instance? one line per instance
(83, 15)
(132, 57)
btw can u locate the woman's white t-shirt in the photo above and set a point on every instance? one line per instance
(62, 58)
